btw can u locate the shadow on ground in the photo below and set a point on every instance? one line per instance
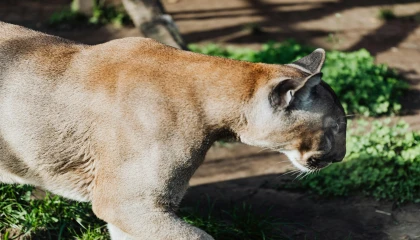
(284, 16)
(306, 216)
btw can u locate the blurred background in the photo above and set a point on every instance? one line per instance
(242, 192)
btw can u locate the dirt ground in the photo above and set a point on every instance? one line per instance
(236, 173)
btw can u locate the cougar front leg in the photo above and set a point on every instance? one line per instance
(136, 198)
(160, 226)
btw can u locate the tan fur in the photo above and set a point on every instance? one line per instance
(126, 123)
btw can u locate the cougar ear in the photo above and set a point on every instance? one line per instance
(312, 63)
(284, 92)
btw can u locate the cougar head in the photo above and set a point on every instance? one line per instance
(298, 114)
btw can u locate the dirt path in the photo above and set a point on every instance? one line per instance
(312, 218)
(236, 173)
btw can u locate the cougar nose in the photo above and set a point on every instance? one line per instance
(330, 158)
(338, 157)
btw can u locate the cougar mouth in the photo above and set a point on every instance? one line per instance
(311, 163)
(316, 163)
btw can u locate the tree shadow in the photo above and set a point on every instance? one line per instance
(388, 35)
(285, 19)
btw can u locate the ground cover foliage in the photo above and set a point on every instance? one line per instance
(382, 159)
(102, 14)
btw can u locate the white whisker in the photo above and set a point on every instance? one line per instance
(297, 177)
(288, 173)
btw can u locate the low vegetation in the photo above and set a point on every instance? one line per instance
(101, 14)
(386, 14)
(23, 217)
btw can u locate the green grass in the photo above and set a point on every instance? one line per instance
(382, 161)
(51, 218)
(364, 88)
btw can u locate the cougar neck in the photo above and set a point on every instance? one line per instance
(226, 87)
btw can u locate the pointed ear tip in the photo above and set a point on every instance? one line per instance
(320, 50)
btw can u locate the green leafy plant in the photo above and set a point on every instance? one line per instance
(386, 14)
(363, 87)
(101, 14)
(104, 14)
(66, 16)
(382, 161)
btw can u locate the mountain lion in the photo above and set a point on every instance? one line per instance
(126, 123)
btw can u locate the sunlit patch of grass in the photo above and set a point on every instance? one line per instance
(54, 217)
